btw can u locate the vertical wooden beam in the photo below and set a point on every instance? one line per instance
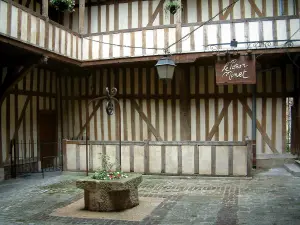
(45, 8)
(81, 16)
(185, 111)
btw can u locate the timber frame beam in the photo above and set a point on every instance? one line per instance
(16, 73)
(178, 58)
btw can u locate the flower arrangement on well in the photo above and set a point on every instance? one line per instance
(108, 175)
(63, 5)
(105, 172)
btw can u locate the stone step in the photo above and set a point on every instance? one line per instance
(297, 162)
(293, 169)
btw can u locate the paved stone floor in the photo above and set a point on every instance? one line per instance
(270, 198)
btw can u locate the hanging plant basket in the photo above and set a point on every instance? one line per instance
(172, 6)
(63, 5)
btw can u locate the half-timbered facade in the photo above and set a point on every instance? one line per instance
(187, 125)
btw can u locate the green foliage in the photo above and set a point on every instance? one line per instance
(172, 6)
(105, 172)
(63, 5)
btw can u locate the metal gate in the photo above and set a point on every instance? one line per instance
(25, 159)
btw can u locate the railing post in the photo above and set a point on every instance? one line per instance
(45, 8)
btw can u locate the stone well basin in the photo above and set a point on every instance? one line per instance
(110, 195)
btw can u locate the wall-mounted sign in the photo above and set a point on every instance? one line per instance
(239, 70)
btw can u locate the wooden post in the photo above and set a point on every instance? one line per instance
(249, 157)
(45, 8)
(81, 16)
(185, 109)
(254, 124)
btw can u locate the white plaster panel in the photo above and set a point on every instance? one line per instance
(188, 159)
(3, 17)
(103, 18)
(160, 35)
(236, 10)
(56, 47)
(155, 159)
(42, 33)
(149, 42)
(111, 17)
(204, 9)
(23, 27)
(82, 156)
(253, 31)
(225, 35)
(171, 159)
(71, 156)
(94, 19)
(14, 22)
(50, 27)
(294, 26)
(123, 16)
(205, 160)
(202, 120)
(139, 155)
(144, 13)
(186, 42)
(62, 42)
(138, 43)
(74, 46)
(126, 50)
(172, 39)
(222, 160)
(95, 48)
(192, 11)
(212, 37)
(86, 49)
(105, 47)
(268, 30)
(112, 156)
(240, 160)
(125, 155)
(198, 37)
(33, 29)
(69, 44)
(240, 35)
(134, 23)
(116, 49)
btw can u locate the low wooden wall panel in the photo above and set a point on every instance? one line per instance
(187, 158)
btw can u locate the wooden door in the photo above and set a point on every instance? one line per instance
(48, 138)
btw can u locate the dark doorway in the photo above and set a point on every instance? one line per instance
(48, 138)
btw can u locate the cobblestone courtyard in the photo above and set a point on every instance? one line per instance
(264, 200)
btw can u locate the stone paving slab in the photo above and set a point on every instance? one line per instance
(269, 199)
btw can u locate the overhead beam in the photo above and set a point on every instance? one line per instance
(81, 16)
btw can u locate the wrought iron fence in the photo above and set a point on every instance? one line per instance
(28, 157)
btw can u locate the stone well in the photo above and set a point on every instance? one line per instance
(110, 195)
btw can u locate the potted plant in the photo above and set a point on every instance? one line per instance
(63, 5)
(172, 6)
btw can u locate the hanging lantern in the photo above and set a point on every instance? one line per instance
(165, 68)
